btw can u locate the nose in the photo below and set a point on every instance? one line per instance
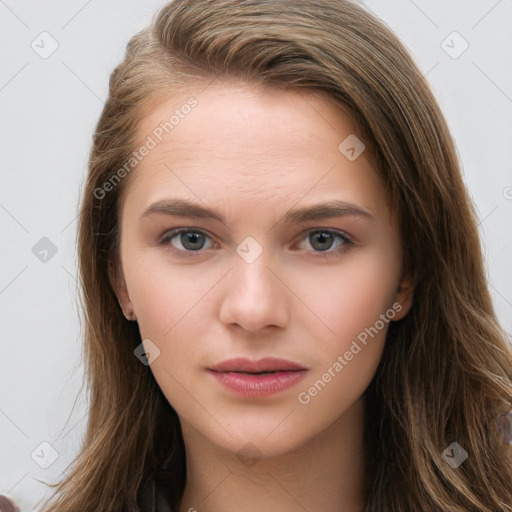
(255, 296)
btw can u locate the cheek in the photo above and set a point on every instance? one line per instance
(163, 293)
(351, 296)
(356, 304)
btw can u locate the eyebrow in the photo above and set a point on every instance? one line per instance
(330, 209)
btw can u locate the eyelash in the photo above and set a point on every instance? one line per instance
(347, 242)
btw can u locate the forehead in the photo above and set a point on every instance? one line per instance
(255, 119)
(255, 140)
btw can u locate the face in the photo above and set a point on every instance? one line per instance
(271, 273)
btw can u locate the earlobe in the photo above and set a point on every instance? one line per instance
(118, 283)
(404, 294)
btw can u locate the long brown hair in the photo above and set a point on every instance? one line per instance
(446, 370)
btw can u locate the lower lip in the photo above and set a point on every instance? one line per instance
(258, 385)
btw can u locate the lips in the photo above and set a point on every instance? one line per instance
(265, 365)
(257, 379)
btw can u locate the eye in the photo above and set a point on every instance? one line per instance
(187, 240)
(322, 240)
(191, 241)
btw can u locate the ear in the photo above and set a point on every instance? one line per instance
(118, 283)
(404, 294)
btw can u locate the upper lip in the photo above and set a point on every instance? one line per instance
(267, 364)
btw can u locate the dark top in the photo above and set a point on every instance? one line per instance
(154, 500)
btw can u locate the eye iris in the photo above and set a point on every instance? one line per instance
(321, 236)
(194, 241)
(191, 238)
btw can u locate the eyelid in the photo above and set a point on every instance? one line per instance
(168, 235)
(348, 240)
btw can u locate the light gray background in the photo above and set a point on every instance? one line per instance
(49, 111)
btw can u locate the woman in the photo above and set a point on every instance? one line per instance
(234, 361)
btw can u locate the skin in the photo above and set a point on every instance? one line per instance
(253, 153)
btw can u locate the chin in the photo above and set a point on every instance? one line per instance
(263, 440)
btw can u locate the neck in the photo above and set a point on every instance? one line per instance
(326, 473)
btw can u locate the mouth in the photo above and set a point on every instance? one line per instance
(263, 366)
(257, 379)
(261, 373)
